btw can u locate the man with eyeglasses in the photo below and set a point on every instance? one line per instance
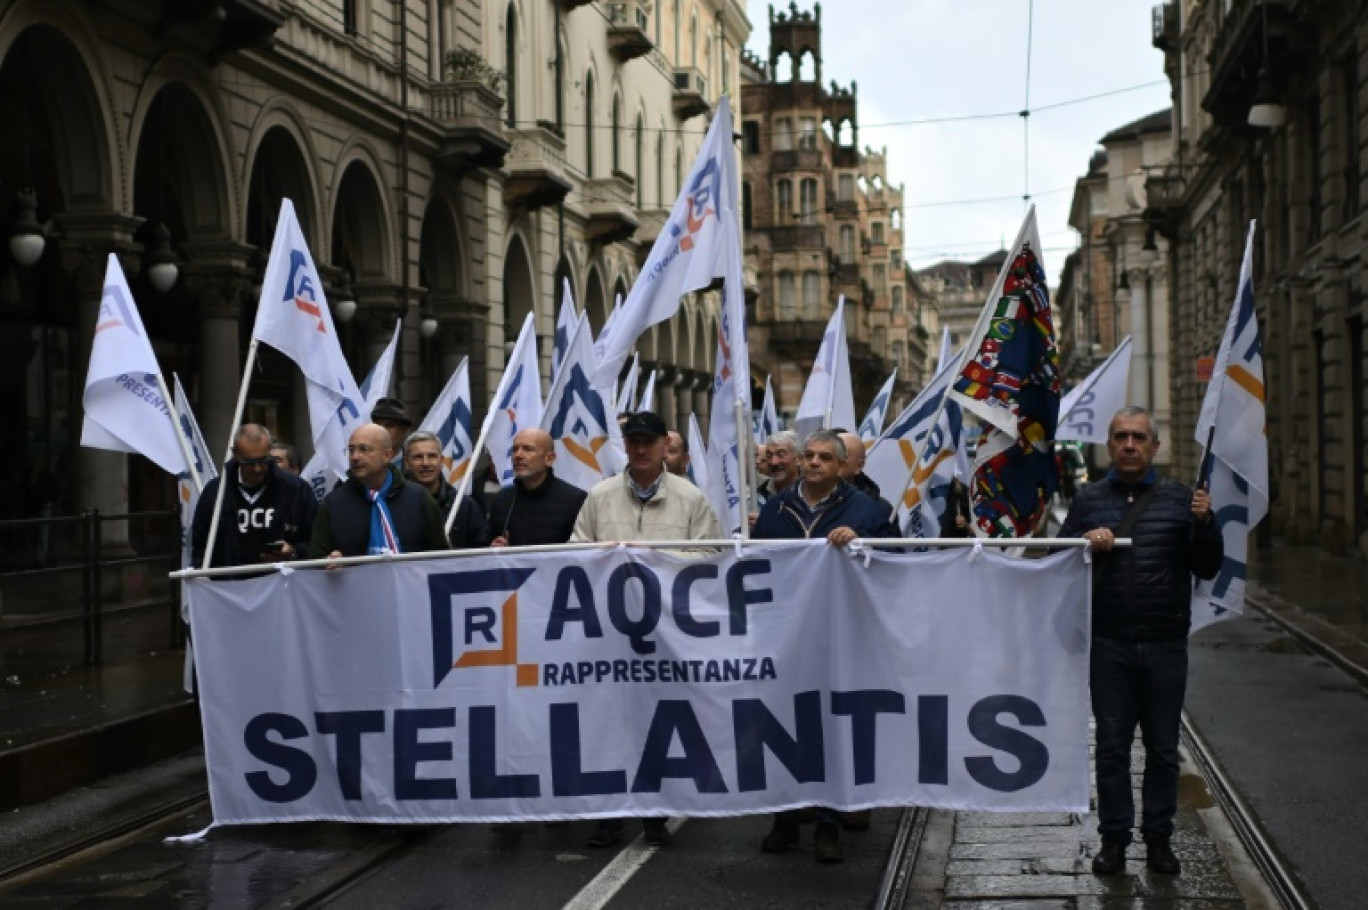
(821, 505)
(1141, 610)
(268, 513)
(375, 510)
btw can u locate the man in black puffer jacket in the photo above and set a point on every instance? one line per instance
(1140, 618)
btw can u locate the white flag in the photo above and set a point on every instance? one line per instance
(293, 317)
(943, 356)
(449, 419)
(688, 254)
(698, 455)
(566, 322)
(318, 473)
(767, 422)
(187, 492)
(126, 408)
(828, 400)
(1086, 412)
(872, 425)
(1232, 430)
(913, 461)
(517, 402)
(577, 419)
(627, 394)
(647, 402)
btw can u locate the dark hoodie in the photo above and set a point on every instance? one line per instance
(344, 519)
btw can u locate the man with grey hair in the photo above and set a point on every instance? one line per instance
(782, 462)
(821, 505)
(1140, 619)
(423, 465)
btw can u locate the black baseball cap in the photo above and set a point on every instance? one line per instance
(644, 423)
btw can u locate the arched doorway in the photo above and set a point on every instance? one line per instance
(519, 292)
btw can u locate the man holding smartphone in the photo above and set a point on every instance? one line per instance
(268, 513)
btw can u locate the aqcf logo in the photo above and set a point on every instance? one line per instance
(487, 603)
(700, 203)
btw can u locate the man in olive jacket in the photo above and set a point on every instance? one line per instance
(1141, 614)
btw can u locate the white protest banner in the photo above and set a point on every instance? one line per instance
(828, 400)
(585, 436)
(517, 402)
(1086, 412)
(616, 681)
(449, 419)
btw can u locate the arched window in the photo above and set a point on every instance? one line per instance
(897, 304)
(747, 222)
(808, 199)
(788, 293)
(617, 134)
(639, 172)
(876, 231)
(845, 188)
(880, 339)
(783, 194)
(812, 295)
(847, 250)
(589, 124)
(510, 64)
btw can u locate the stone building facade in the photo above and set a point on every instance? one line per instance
(450, 161)
(1303, 180)
(821, 221)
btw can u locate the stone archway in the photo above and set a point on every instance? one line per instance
(442, 274)
(519, 289)
(595, 301)
(360, 249)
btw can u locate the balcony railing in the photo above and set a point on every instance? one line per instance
(538, 174)
(690, 92)
(628, 31)
(468, 112)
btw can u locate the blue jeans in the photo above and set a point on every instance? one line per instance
(1137, 682)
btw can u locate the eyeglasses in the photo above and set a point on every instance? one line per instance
(259, 462)
(361, 449)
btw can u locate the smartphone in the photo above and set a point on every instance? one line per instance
(274, 546)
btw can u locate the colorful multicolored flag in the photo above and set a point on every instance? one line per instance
(1232, 429)
(1011, 383)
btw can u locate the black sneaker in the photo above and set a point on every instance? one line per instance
(782, 837)
(1159, 856)
(655, 833)
(1111, 859)
(826, 843)
(606, 833)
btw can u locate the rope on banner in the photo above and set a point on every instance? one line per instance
(865, 542)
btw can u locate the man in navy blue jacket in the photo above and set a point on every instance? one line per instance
(819, 505)
(1141, 614)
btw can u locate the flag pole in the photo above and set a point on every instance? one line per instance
(224, 479)
(464, 488)
(170, 400)
(746, 461)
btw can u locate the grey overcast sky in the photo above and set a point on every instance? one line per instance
(917, 60)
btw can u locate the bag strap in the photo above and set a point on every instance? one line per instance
(1137, 509)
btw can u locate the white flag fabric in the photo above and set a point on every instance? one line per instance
(647, 402)
(690, 251)
(449, 418)
(566, 321)
(125, 406)
(913, 461)
(627, 394)
(872, 425)
(293, 317)
(828, 400)
(698, 455)
(767, 422)
(187, 491)
(816, 681)
(1086, 412)
(601, 343)
(1232, 430)
(318, 473)
(964, 465)
(577, 418)
(517, 402)
(943, 355)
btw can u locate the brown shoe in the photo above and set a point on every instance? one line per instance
(827, 843)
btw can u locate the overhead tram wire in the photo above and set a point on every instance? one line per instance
(1026, 110)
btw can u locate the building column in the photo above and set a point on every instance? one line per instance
(701, 397)
(218, 278)
(101, 476)
(682, 392)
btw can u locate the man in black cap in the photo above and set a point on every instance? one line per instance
(391, 414)
(645, 503)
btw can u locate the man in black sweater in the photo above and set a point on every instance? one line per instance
(538, 507)
(423, 467)
(375, 510)
(268, 513)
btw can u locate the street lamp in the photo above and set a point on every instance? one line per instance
(26, 236)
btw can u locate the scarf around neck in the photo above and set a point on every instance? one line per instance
(383, 538)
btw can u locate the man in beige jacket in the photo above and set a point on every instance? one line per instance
(645, 503)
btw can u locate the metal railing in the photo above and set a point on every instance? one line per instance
(63, 577)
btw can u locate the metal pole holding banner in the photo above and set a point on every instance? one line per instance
(745, 460)
(719, 545)
(224, 479)
(169, 397)
(464, 488)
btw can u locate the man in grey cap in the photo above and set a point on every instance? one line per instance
(391, 414)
